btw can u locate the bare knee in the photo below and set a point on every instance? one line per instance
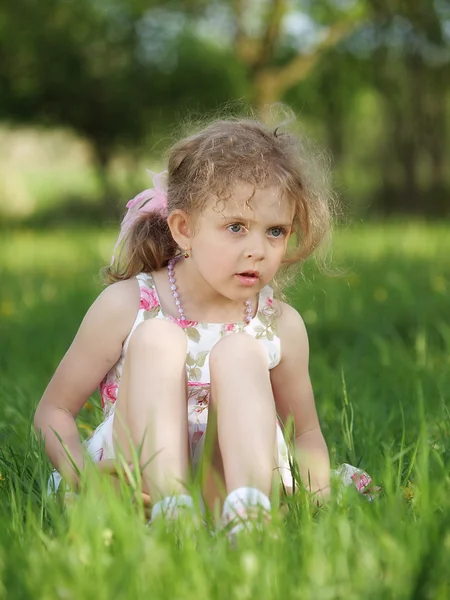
(160, 336)
(238, 347)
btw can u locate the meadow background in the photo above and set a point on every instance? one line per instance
(91, 93)
(380, 357)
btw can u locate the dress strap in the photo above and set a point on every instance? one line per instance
(148, 295)
(145, 280)
(265, 304)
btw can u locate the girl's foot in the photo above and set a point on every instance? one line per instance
(246, 520)
(172, 507)
(245, 510)
(177, 517)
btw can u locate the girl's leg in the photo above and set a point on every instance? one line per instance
(151, 408)
(243, 404)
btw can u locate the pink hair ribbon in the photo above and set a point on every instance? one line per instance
(152, 200)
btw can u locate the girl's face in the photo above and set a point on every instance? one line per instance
(239, 244)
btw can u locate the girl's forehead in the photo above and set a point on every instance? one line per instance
(249, 202)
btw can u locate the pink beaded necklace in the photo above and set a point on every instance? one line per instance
(176, 296)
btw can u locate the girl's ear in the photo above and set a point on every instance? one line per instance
(181, 227)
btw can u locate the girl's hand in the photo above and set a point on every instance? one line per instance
(109, 467)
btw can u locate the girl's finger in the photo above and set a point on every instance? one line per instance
(107, 466)
(110, 466)
(146, 499)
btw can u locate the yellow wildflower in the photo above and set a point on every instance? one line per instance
(380, 294)
(438, 284)
(6, 308)
(408, 491)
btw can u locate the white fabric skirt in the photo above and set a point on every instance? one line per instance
(100, 446)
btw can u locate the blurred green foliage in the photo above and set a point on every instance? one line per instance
(367, 79)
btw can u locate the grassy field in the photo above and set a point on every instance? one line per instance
(380, 365)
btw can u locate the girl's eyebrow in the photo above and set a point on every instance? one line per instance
(242, 219)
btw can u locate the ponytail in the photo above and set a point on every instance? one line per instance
(148, 243)
(148, 246)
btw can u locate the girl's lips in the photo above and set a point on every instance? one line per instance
(247, 280)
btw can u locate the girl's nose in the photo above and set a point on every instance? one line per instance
(256, 249)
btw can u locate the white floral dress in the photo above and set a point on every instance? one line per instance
(201, 338)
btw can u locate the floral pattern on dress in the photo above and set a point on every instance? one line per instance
(108, 392)
(194, 365)
(149, 299)
(228, 328)
(201, 338)
(109, 389)
(266, 329)
(183, 323)
(198, 396)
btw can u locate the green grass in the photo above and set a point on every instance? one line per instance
(380, 365)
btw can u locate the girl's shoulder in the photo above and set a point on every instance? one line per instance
(105, 326)
(120, 297)
(128, 289)
(119, 302)
(126, 303)
(290, 325)
(285, 313)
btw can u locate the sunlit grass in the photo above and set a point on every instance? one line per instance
(380, 364)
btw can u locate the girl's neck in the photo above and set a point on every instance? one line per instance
(200, 301)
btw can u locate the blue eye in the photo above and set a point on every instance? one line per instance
(235, 228)
(277, 232)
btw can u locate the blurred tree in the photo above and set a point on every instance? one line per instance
(73, 64)
(119, 71)
(107, 69)
(277, 62)
(397, 62)
(411, 65)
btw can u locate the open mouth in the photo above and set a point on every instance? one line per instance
(253, 274)
(248, 278)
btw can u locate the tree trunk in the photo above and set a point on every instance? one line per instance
(435, 142)
(108, 195)
(271, 83)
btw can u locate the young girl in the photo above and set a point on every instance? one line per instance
(189, 342)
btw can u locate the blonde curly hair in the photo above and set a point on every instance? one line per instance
(207, 164)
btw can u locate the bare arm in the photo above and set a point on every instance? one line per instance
(294, 400)
(95, 349)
